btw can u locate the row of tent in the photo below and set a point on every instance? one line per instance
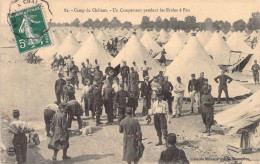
(192, 58)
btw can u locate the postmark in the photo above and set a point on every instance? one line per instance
(29, 28)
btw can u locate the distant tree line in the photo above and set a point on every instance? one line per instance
(105, 23)
(190, 23)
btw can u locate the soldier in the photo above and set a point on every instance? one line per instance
(84, 72)
(120, 101)
(146, 91)
(160, 111)
(59, 84)
(207, 102)
(18, 129)
(132, 134)
(156, 88)
(160, 78)
(60, 133)
(167, 92)
(109, 68)
(74, 77)
(200, 81)
(163, 59)
(88, 65)
(133, 91)
(108, 95)
(98, 76)
(178, 98)
(49, 112)
(68, 90)
(222, 80)
(97, 102)
(96, 63)
(193, 89)
(124, 70)
(135, 67)
(255, 68)
(74, 108)
(145, 69)
(89, 77)
(133, 77)
(68, 65)
(172, 154)
(88, 98)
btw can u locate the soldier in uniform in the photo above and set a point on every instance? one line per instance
(156, 88)
(135, 66)
(193, 89)
(124, 71)
(146, 91)
(49, 112)
(160, 78)
(200, 82)
(132, 133)
(163, 58)
(108, 95)
(145, 69)
(109, 68)
(60, 133)
(133, 77)
(88, 98)
(84, 72)
(97, 102)
(161, 115)
(167, 88)
(133, 92)
(74, 77)
(120, 101)
(19, 129)
(68, 90)
(207, 102)
(172, 154)
(59, 84)
(178, 98)
(89, 77)
(255, 68)
(98, 76)
(74, 108)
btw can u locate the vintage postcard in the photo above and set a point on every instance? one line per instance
(130, 81)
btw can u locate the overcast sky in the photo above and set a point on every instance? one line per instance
(230, 10)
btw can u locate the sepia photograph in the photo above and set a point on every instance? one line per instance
(130, 81)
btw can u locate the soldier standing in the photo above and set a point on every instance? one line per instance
(74, 75)
(146, 91)
(222, 80)
(84, 72)
(178, 98)
(167, 92)
(98, 76)
(133, 77)
(255, 68)
(193, 89)
(132, 134)
(133, 92)
(124, 70)
(18, 129)
(200, 82)
(120, 101)
(60, 133)
(160, 78)
(59, 84)
(160, 112)
(88, 98)
(108, 95)
(97, 102)
(109, 68)
(145, 69)
(69, 92)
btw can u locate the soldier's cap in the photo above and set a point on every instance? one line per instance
(255, 60)
(16, 112)
(172, 138)
(62, 104)
(60, 75)
(146, 77)
(129, 110)
(193, 75)
(178, 78)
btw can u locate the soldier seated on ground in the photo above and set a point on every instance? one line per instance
(172, 154)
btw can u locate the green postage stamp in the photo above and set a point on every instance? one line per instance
(30, 29)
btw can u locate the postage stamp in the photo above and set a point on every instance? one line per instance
(30, 29)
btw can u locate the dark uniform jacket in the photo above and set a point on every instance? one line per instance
(222, 80)
(97, 97)
(193, 85)
(133, 78)
(98, 76)
(59, 84)
(74, 108)
(108, 93)
(124, 71)
(146, 89)
(132, 130)
(200, 82)
(84, 71)
(69, 93)
(108, 69)
(120, 98)
(173, 155)
(255, 68)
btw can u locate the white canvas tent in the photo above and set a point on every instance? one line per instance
(236, 43)
(219, 50)
(102, 38)
(241, 115)
(173, 46)
(69, 46)
(135, 51)
(91, 49)
(163, 37)
(204, 37)
(150, 44)
(194, 59)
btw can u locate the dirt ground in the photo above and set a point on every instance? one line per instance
(30, 88)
